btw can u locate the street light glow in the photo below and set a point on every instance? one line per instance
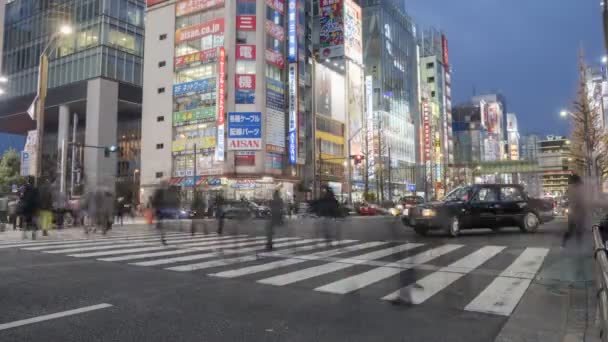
(605, 59)
(3, 79)
(65, 29)
(563, 113)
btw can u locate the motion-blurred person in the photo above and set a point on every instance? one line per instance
(578, 210)
(119, 210)
(328, 210)
(165, 200)
(219, 213)
(276, 218)
(45, 207)
(29, 206)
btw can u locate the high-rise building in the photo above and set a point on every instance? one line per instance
(529, 147)
(94, 75)
(512, 137)
(555, 162)
(494, 123)
(436, 102)
(390, 58)
(468, 134)
(223, 99)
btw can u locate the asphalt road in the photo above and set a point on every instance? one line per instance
(56, 289)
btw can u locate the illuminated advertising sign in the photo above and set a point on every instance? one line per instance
(187, 145)
(196, 57)
(275, 58)
(199, 86)
(246, 52)
(221, 89)
(244, 88)
(201, 30)
(275, 116)
(331, 35)
(292, 35)
(277, 5)
(197, 114)
(244, 131)
(245, 22)
(353, 36)
(293, 112)
(275, 30)
(190, 6)
(427, 130)
(446, 56)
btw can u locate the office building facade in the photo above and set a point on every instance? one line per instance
(94, 75)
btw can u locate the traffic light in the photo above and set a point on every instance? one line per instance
(358, 159)
(109, 149)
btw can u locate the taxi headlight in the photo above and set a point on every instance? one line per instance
(400, 207)
(428, 212)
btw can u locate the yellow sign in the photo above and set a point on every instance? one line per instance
(188, 144)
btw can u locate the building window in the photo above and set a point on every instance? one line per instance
(433, 94)
(245, 7)
(159, 175)
(162, 36)
(160, 146)
(430, 65)
(161, 90)
(430, 80)
(162, 64)
(160, 118)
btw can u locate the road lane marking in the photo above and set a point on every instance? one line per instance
(225, 262)
(256, 241)
(43, 318)
(139, 244)
(92, 240)
(375, 275)
(117, 242)
(437, 281)
(298, 259)
(315, 271)
(505, 291)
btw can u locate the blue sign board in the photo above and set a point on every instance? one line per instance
(244, 96)
(244, 125)
(199, 86)
(292, 35)
(411, 187)
(292, 147)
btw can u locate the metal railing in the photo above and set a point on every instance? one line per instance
(601, 258)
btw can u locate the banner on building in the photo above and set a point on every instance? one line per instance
(184, 7)
(275, 116)
(353, 31)
(275, 31)
(293, 112)
(202, 57)
(292, 34)
(355, 107)
(197, 114)
(244, 131)
(277, 5)
(180, 146)
(221, 98)
(244, 88)
(204, 85)
(275, 58)
(331, 35)
(245, 23)
(245, 51)
(215, 26)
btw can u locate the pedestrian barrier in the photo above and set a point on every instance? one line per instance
(601, 259)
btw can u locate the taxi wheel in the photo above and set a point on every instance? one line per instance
(453, 226)
(529, 223)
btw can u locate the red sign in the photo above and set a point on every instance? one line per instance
(190, 6)
(245, 51)
(200, 30)
(244, 160)
(446, 57)
(150, 3)
(201, 56)
(221, 87)
(245, 22)
(247, 144)
(427, 130)
(277, 5)
(275, 58)
(275, 30)
(244, 81)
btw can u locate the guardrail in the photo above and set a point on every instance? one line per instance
(601, 258)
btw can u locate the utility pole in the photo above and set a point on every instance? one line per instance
(40, 111)
(74, 147)
(194, 174)
(390, 189)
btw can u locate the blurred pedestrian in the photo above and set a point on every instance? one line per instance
(578, 210)
(119, 210)
(45, 207)
(327, 209)
(160, 204)
(276, 218)
(219, 213)
(29, 203)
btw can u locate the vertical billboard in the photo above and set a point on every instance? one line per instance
(244, 88)
(275, 116)
(292, 34)
(221, 89)
(331, 35)
(355, 107)
(353, 36)
(293, 112)
(244, 131)
(184, 7)
(446, 55)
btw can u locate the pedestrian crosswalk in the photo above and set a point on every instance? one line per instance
(384, 269)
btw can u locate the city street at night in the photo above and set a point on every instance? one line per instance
(126, 286)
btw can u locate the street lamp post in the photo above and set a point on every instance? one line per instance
(41, 96)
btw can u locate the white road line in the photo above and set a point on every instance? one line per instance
(297, 259)
(375, 275)
(316, 271)
(437, 281)
(225, 262)
(60, 238)
(105, 243)
(139, 244)
(173, 243)
(43, 318)
(205, 255)
(504, 293)
(185, 251)
(92, 240)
